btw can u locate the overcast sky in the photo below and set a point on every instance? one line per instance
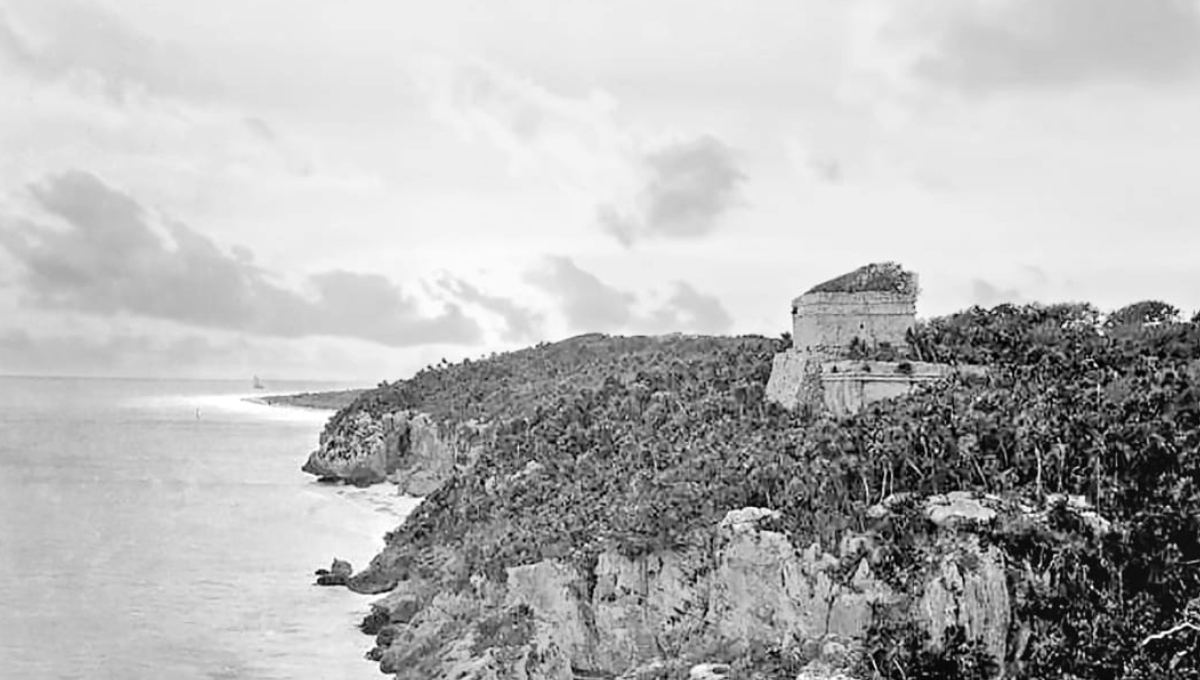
(353, 189)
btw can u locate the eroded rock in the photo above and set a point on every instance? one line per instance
(632, 617)
(961, 506)
(407, 448)
(336, 575)
(710, 671)
(970, 589)
(747, 519)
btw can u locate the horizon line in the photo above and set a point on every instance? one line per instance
(61, 376)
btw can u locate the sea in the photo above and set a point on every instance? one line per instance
(163, 529)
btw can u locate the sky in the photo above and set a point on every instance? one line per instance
(352, 190)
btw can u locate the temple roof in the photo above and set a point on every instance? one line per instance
(881, 277)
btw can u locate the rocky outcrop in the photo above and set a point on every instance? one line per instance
(687, 610)
(405, 447)
(336, 575)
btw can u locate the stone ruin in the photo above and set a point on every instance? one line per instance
(849, 340)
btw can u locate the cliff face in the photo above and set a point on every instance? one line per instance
(743, 585)
(405, 447)
(585, 533)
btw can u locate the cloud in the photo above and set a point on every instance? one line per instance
(260, 128)
(520, 323)
(20, 351)
(591, 305)
(640, 184)
(980, 46)
(120, 354)
(107, 257)
(689, 186)
(99, 351)
(212, 158)
(64, 39)
(987, 294)
(371, 307)
(689, 309)
(827, 170)
(1036, 273)
(587, 302)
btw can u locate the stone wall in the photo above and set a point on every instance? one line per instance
(788, 381)
(848, 386)
(833, 320)
(845, 386)
(815, 371)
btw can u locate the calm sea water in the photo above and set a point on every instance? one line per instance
(162, 529)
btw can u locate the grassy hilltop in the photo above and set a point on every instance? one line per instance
(644, 443)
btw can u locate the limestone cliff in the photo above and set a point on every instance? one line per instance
(405, 447)
(586, 536)
(740, 586)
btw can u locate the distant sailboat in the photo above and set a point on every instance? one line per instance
(257, 383)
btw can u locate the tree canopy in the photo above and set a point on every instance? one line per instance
(641, 443)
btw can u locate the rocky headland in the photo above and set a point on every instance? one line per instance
(321, 401)
(638, 508)
(407, 448)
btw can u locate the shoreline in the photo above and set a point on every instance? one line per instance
(315, 401)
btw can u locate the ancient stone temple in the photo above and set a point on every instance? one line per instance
(849, 343)
(876, 304)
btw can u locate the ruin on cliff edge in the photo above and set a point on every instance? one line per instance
(849, 343)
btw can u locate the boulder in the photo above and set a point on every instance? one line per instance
(961, 507)
(406, 448)
(328, 579)
(337, 574)
(710, 671)
(747, 519)
(818, 670)
(360, 450)
(375, 622)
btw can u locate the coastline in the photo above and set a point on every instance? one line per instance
(216, 502)
(317, 401)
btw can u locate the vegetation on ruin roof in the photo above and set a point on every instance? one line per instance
(881, 277)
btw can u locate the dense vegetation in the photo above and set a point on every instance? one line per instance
(643, 443)
(880, 277)
(513, 383)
